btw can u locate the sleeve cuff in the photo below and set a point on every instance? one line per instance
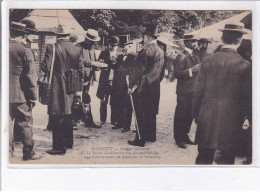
(190, 73)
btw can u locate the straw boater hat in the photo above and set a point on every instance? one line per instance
(30, 26)
(234, 26)
(92, 35)
(113, 40)
(18, 27)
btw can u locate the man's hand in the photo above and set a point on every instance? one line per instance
(131, 91)
(246, 125)
(195, 68)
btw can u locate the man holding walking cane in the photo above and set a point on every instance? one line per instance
(144, 84)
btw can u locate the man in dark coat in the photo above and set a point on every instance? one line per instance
(185, 71)
(26, 42)
(146, 76)
(201, 51)
(119, 92)
(88, 54)
(106, 78)
(67, 56)
(22, 89)
(218, 99)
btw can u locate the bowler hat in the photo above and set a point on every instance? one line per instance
(204, 40)
(92, 35)
(113, 40)
(234, 26)
(189, 37)
(18, 27)
(61, 30)
(152, 30)
(30, 26)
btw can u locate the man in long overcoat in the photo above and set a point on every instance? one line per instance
(109, 57)
(146, 76)
(67, 56)
(22, 89)
(218, 99)
(185, 72)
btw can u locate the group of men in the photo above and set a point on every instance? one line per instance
(212, 89)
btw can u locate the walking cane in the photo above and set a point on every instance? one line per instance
(133, 107)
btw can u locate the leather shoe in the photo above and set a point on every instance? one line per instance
(117, 127)
(181, 145)
(137, 142)
(188, 141)
(93, 125)
(124, 130)
(34, 156)
(56, 152)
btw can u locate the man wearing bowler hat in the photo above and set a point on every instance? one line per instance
(219, 97)
(185, 71)
(201, 50)
(22, 89)
(146, 77)
(106, 78)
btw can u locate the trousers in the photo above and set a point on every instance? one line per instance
(207, 156)
(22, 114)
(62, 131)
(103, 110)
(182, 118)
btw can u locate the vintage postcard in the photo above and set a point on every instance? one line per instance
(130, 86)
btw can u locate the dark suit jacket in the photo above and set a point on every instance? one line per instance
(104, 87)
(146, 74)
(22, 80)
(219, 97)
(184, 62)
(61, 102)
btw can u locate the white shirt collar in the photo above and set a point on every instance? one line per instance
(230, 46)
(188, 50)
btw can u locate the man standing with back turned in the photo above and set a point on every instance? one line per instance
(146, 77)
(218, 99)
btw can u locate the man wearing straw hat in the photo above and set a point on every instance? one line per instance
(219, 97)
(23, 88)
(146, 77)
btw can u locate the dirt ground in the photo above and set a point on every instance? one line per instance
(109, 146)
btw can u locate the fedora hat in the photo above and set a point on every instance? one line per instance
(234, 26)
(92, 35)
(18, 27)
(30, 26)
(152, 30)
(61, 30)
(113, 40)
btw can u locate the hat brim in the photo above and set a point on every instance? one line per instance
(150, 34)
(234, 30)
(18, 30)
(188, 39)
(91, 39)
(125, 44)
(31, 30)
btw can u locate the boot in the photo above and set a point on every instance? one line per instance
(137, 142)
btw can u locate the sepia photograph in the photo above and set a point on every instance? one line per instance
(130, 87)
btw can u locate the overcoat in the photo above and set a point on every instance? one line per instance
(104, 86)
(218, 98)
(185, 61)
(123, 68)
(147, 75)
(60, 103)
(23, 84)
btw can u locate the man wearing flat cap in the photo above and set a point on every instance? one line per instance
(23, 89)
(106, 78)
(146, 76)
(219, 97)
(185, 71)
